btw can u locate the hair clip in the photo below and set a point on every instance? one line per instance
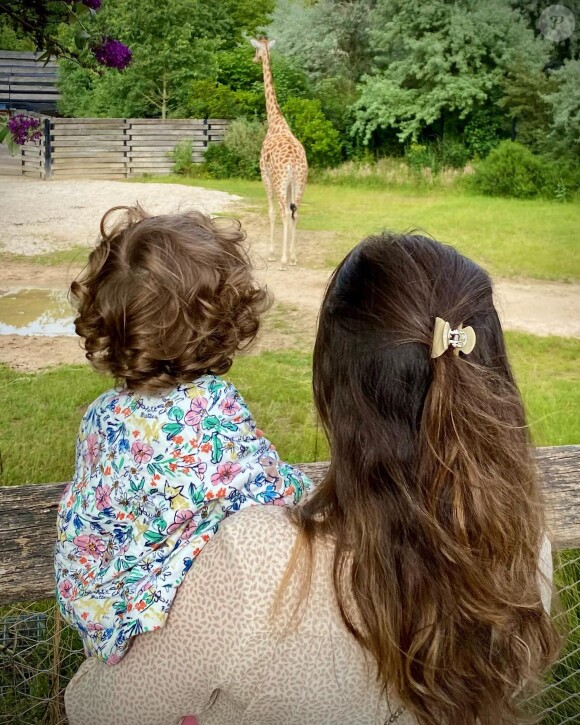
(463, 338)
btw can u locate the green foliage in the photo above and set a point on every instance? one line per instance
(513, 170)
(441, 59)
(10, 39)
(524, 91)
(319, 137)
(452, 154)
(174, 43)
(182, 153)
(565, 104)
(208, 99)
(482, 131)
(239, 154)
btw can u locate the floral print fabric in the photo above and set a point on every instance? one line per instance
(154, 477)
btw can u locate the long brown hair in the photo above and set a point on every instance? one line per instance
(431, 497)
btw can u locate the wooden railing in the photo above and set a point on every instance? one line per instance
(28, 516)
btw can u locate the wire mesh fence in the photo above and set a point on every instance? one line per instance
(39, 655)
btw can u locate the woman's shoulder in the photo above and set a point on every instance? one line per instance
(257, 535)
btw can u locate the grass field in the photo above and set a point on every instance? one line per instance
(509, 237)
(41, 411)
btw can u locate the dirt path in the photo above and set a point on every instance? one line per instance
(66, 214)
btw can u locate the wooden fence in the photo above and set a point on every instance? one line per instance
(28, 516)
(26, 84)
(111, 148)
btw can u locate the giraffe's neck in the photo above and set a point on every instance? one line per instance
(273, 112)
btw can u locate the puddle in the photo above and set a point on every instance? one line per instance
(36, 312)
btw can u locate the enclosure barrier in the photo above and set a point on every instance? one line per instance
(110, 148)
(38, 654)
(26, 84)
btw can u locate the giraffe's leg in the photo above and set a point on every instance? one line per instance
(272, 215)
(284, 259)
(293, 224)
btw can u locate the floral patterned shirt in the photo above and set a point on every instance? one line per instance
(154, 477)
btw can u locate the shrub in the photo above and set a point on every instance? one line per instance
(207, 99)
(452, 154)
(181, 155)
(419, 156)
(220, 162)
(513, 170)
(320, 138)
(239, 154)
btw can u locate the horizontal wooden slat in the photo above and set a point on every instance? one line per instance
(93, 146)
(28, 515)
(33, 96)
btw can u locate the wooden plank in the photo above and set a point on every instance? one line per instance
(83, 121)
(88, 164)
(73, 152)
(161, 140)
(141, 151)
(12, 87)
(21, 54)
(103, 142)
(33, 97)
(28, 514)
(164, 133)
(84, 173)
(166, 122)
(107, 134)
(84, 156)
(60, 131)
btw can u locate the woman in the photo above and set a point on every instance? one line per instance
(407, 588)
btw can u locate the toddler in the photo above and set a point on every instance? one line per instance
(163, 305)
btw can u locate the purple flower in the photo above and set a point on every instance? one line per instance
(113, 54)
(92, 4)
(24, 129)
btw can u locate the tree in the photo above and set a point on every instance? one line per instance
(524, 92)
(565, 104)
(329, 38)
(39, 22)
(175, 44)
(439, 62)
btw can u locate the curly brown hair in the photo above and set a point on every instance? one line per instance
(165, 299)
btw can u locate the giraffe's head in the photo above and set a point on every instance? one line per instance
(262, 47)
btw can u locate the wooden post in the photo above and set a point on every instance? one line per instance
(47, 148)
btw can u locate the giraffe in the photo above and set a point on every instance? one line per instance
(282, 162)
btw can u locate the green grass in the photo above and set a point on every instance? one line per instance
(74, 255)
(509, 237)
(41, 412)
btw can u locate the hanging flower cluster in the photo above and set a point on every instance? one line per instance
(92, 4)
(24, 129)
(112, 53)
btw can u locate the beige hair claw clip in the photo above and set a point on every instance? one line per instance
(444, 337)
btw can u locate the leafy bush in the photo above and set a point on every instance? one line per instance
(220, 162)
(207, 99)
(239, 154)
(320, 138)
(482, 133)
(452, 154)
(181, 155)
(513, 170)
(420, 156)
